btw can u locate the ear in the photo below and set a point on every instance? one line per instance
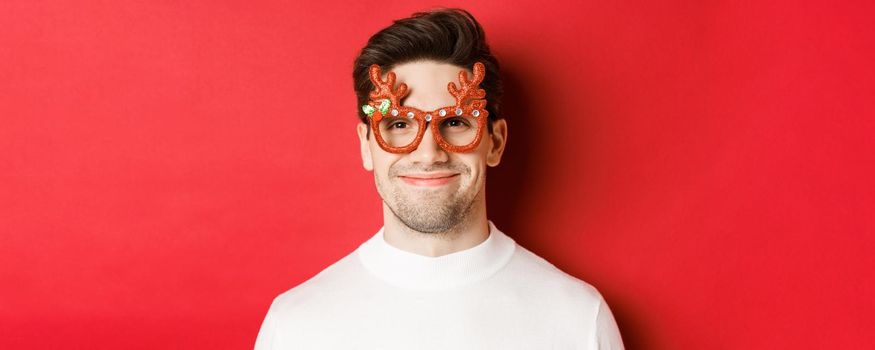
(499, 141)
(367, 161)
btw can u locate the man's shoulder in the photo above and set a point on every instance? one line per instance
(577, 303)
(541, 276)
(331, 281)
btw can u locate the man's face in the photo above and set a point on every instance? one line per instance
(431, 190)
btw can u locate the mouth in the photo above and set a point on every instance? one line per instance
(429, 180)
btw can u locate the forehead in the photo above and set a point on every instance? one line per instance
(427, 82)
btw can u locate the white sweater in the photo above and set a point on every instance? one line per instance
(496, 295)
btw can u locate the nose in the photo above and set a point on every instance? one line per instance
(428, 150)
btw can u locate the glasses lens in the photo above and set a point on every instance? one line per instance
(459, 131)
(398, 131)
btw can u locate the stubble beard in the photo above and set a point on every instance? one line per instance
(428, 211)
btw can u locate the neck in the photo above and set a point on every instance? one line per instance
(473, 230)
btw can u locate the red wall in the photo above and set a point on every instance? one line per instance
(168, 167)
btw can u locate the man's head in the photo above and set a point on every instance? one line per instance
(450, 36)
(430, 189)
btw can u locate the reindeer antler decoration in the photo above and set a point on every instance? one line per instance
(470, 89)
(383, 91)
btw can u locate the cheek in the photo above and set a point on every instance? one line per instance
(381, 169)
(382, 162)
(476, 164)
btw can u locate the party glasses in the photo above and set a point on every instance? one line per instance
(399, 129)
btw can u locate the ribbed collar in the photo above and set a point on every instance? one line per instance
(413, 271)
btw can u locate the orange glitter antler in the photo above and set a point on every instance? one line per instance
(384, 89)
(470, 89)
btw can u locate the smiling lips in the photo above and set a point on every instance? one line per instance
(432, 179)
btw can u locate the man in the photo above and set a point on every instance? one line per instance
(438, 275)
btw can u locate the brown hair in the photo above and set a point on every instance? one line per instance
(450, 36)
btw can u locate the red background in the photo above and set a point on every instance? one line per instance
(168, 167)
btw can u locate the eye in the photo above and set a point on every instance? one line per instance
(398, 125)
(456, 122)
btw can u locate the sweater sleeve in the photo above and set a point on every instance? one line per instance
(607, 335)
(267, 333)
